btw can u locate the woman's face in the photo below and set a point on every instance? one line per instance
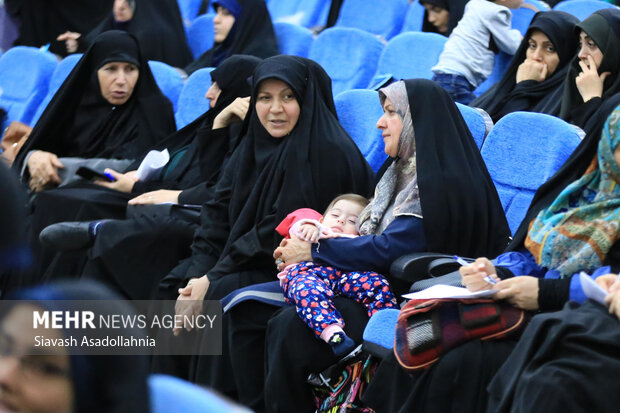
(276, 107)
(32, 383)
(542, 50)
(589, 48)
(222, 23)
(117, 81)
(391, 125)
(438, 17)
(213, 93)
(122, 11)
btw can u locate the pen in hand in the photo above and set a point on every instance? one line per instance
(461, 261)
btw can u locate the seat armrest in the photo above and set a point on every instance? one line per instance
(414, 267)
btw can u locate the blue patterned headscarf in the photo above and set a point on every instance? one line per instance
(577, 230)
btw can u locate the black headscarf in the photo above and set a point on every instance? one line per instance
(559, 27)
(157, 25)
(251, 34)
(570, 171)
(456, 9)
(462, 212)
(273, 176)
(80, 122)
(603, 26)
(101, 383)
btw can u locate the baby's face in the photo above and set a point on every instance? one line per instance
(341, 218)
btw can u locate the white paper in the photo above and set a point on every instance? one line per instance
(592, 289)
(152, 163)
(448, 291)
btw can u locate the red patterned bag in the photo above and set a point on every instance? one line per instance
(428, 328)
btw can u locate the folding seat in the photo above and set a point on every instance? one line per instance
(200, 35)
(582, 8)
(410, 55)
(306, 13)
(170, 394)
(168, 79)
(381, 17)
(61, 72)
(25, 74)
(348, 55)
(293, 39)
(414, 18)
(522, 151)
(192, 101)
(189, 10)
(478, 121)
(358, 112)
(502, 60)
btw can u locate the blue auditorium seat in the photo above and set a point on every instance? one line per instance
(410, 55)
(522, 151)
(168, 79)
(582, 8)
(381, 17)
(414, 17)
(521, 19)
(358, 111)
(61, 72)
(380, 331)
(170, 394)
(293, 39)
(306, 13)
(189, 10)
(348, 55)
(479, 125)
(25, 74)
(502, 60)
(200, 35)
(192, 101)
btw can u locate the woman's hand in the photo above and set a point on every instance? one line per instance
(292, 251)
(123, 183)
(606, 281)
(71, 40)
(43, 167)
(156, 197)
(531, 70)
(473, 275)
(309, 233)
(232, 113)
(189, 302)
(613, 298)
(589, 83)
(521, 292)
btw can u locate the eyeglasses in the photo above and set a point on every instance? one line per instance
(33, 366)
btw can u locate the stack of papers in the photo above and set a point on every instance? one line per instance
(152, 163)
(448, 291)
(591, 289)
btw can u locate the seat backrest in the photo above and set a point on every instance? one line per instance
(168, 79)
(381, 17)
(358, 111)
(410, 55)
(25, 74)
(414, 17)
(170, 394)
(348, 55)
(502, 60)
(293, 39)
(200, 35)
(192, 101)
(521, 19)
(476, 122)
(306, 13)
(582, 9)
(522, 152)
(60, 74)
(189, 10)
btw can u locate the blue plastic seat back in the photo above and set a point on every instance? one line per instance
(59, 76)
(200, 35)
(410, 55)
(306, 13)
(381, 17)
(25, 74)
(521, 19)
(358, 111)
(414, 18)
(170, 394)
(348, 55)
(293, 39)
(380, 331)
(522, 152)
(582, 9)
(189, 10)
(502, 60)
(476, 122)
(192, 101)
(168, 79)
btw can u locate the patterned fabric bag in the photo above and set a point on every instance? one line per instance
(426, 329)
(339, 388)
